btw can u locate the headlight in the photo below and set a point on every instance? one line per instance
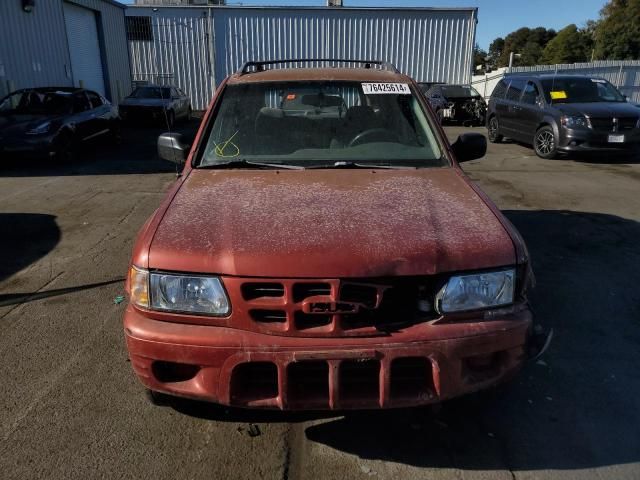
(40, 129)
(177, 293)
(186, 293)
(481, 290)
(577, 121)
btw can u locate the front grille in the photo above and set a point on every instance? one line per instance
(330, 307)
(610, 124)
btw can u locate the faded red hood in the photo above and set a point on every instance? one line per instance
(328, 223)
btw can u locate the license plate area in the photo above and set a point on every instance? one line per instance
(616, 138)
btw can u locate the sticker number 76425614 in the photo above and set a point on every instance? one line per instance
(389, 88)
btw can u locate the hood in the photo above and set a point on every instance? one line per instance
(145, 102)
(15, 125)
(328, 224)
(599, 109)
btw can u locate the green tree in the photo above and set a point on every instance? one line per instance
(571, 45)
(479, 58)
(617, 35)
(495, 51)
(528, 42)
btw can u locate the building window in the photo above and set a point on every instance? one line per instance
(139, 28)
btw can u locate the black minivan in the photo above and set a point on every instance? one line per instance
(562, 113)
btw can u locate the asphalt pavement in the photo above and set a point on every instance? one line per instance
(71, 407)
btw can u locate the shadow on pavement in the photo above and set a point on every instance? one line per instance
(580, 409)
(24, 239)
(135, 154)
(18, 298)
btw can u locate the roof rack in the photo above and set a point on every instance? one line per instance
(258, 66)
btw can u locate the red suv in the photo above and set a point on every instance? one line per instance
(322, 249)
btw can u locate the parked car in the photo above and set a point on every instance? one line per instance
(162, 104)
(457, 103)
(563, 113)
(54, 121)
(325, 260)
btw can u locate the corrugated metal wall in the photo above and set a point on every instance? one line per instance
(195, 48)
(34, 51)
(33, 48)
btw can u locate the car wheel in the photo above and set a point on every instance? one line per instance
(65, 148)
(544, 143)
(494, 129)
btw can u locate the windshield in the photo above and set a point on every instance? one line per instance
(32, 102)
(458, 91)
(580, 90)
(151, 92)
(317, 123)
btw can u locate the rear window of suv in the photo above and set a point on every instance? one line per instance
(315, 123)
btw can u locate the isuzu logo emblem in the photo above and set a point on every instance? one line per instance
(328, 306)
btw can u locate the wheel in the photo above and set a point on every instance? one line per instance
(544, 143)
(65, 148)
(494, 128)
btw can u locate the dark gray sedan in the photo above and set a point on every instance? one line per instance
(159, 104)
(53, 121)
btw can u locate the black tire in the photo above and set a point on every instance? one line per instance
(65, 148)
(545, 143)
(493, 130)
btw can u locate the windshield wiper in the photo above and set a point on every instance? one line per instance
(343, 164)
(248, 164)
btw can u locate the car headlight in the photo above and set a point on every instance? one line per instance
(576, 121)
(178, 293)
(40, 129)
(476, 291)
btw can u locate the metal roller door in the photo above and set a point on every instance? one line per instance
(84, 48)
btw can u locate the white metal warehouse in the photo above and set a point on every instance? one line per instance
(64, 43)
(195, 48)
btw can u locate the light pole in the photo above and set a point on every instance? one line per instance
(511, 55)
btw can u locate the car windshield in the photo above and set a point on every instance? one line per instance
(459, 91)
(321, 123)
(580, 90)
(32, 102)
(151, 92)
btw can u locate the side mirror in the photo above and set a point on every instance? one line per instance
(469, 146)
(171, 148)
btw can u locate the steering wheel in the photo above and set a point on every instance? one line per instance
(372, 135)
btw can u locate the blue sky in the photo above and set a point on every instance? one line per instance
(496, 18)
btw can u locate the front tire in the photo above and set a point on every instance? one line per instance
(494, 130)
(545, 143)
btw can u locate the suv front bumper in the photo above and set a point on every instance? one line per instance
(588, 140)
(248, 369)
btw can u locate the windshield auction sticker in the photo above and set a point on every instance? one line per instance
(558, 95)
(386, 88)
